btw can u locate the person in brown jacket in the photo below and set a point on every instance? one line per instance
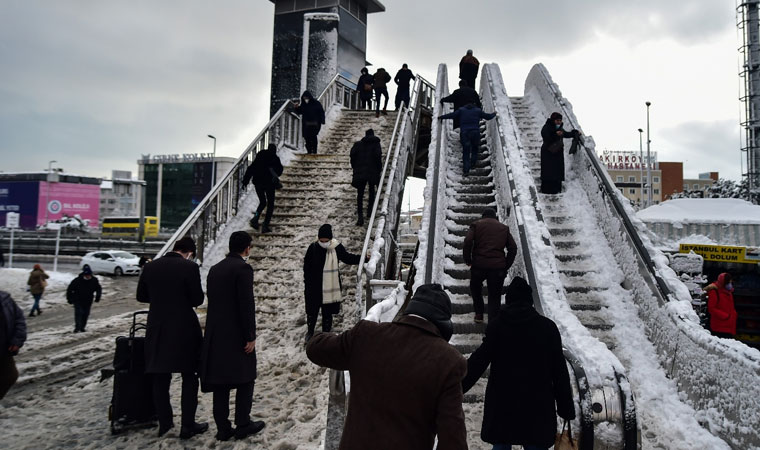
(405, 378)
(37, 285)
(468, 69)
(483, 252)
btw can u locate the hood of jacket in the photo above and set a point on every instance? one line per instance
(518, 313)
(720, 283)
(370, 139)
(307, 94)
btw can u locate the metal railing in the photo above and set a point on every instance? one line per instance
(223, 201)
(392, 180)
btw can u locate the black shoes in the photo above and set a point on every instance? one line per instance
(255, 221)
(249, 430)
(186, 432)
(360, 222)
(307, 338)
(225, 435)
(265, 229)
(162, 430)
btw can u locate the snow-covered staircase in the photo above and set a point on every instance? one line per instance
(579, 271)
(470, 195)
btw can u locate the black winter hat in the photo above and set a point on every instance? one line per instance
(325, 231)
(555, 116)
(432, 303)
(519, 291)
(369, 132)
(272, 148)
(489, 212)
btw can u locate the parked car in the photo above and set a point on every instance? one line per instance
(113, 262)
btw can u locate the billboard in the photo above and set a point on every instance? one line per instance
(68, 199)
(723, 253)
(20, 197)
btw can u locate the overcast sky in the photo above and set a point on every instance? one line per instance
(95, 84)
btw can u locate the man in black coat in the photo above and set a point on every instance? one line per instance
(461, 97)
(402, 79)
(80, 293)
(312, 118)
(12, 338)
(172, 286)
(468, 69)
(528, 375)
(265, 171)
(365, 86)
(320, 264)
(552, 154)
(367, 162)
(228, 357)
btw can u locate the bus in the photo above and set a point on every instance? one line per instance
(129, 226)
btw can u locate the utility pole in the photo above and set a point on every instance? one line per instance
(649, 161)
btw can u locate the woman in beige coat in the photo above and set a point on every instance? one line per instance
(37, 286)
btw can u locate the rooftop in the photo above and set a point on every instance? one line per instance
(702, 210)
(372, 6)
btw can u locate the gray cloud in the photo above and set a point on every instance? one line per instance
(703, 147)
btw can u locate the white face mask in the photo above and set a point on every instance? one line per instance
(324, 245)
(306, 100)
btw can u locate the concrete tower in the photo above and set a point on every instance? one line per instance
(337, 44)
(748, 14)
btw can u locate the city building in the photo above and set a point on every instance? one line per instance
(42, 197)
(176, 184)
(629, 173)
(334, 46)
(120, 196)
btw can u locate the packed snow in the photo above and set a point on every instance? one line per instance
(703, 210)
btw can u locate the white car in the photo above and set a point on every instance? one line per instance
(113, 262)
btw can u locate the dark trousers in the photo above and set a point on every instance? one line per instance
(8, 374)
(266, 200)
(360, 197)
(81, 314)
(161, 382)
(470, 140)
(495, 279)
(378, 92)
(243, 403)
(366, 104)
(402, 96)
(310, 139)
(327, 320)
(36, 305)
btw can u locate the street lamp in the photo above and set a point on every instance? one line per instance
(213, 164)
(47, 196)
(649, 160)
(641, 167)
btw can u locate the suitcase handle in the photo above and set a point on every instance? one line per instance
(137, 326)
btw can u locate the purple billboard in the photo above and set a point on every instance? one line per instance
(20, 197)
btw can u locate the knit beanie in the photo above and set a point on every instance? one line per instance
(519, 291)
(555, 116)
(433, 304)
(489, 213)
(325, 231)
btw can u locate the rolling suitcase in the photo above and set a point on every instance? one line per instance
(132, 401)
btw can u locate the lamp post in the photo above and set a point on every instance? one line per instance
(649, 161)
(47, 195)
(213, 164)
(641, 167)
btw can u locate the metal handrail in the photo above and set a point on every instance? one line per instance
(223, 200)
(396, 162)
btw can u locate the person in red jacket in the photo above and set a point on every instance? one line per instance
(720, 305)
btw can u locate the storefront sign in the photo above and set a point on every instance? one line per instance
(724, 253)
(177, 158)
(627, 160)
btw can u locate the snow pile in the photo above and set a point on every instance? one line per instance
(703, 210)
(386, 310)
(14, 281)
(720, 379)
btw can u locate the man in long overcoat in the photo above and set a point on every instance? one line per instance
(403, 79)
(172, 286)
(228, 357)
(367, 163)
(312, 118)
(461, 97)
(468, 69)
(553, 154)
(528, 375)
(405, 378)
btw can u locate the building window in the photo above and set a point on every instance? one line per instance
(696, 187)
(644, 179)
(685, 187)
(656, 191)
(646, 191)
(655, 179)
(619, 179)
(631, 191)
(631, 179)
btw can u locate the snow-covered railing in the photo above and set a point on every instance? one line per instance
(223, 201)
(598, 374)
(386, 309)
(719, 377)
(384, 218)
(431, 243)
